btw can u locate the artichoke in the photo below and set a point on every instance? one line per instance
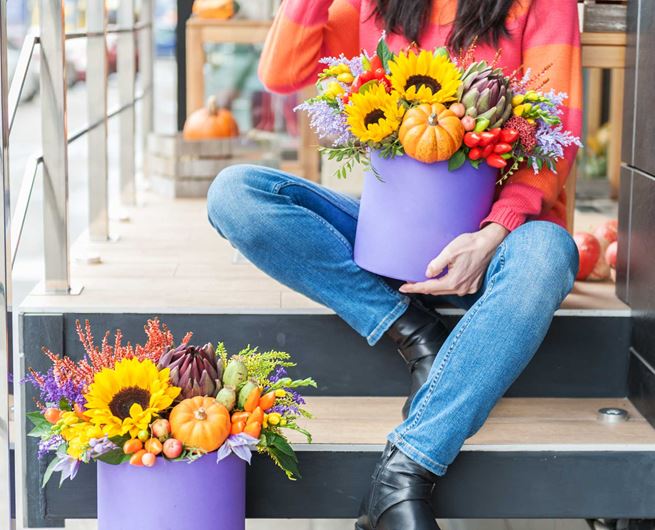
(196, 370)
(486, 94)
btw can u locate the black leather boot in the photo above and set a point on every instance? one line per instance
(419, 334)
(399, 495)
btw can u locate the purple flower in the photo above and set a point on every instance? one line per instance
(327, 121)
(552, 141)
(285, 410)
(99, 447)
(296, 397)
(68, 466)
(278, 374)
(355, 64)
(48, 445)
(242, 445)
(52, 391)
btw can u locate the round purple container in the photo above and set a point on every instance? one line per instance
(202, 495)
(415, 210)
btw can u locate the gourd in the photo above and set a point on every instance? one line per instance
(200, 422)
(217, 9)
(210, 122)
(431, 133)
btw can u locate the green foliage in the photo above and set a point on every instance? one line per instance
(279, 450)
(42, 427)
(114, 457)
(384, 53)
(261, 364)
(457, 160)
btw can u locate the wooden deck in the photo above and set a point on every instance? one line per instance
(168, 259)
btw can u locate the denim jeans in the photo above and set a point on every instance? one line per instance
(302, 235)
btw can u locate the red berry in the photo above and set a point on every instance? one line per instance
(509, 136)
(379, 73)
(495, 132)
(475, 153)
(487, 150)
(502, 148)
(496, 161)
(471, 139)
(376, 63)
(367, 76)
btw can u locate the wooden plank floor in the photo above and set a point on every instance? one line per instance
(514, 424)
(168, 259)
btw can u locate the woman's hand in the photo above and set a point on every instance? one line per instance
(467, 258)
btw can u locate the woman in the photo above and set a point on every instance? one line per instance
(511, 275)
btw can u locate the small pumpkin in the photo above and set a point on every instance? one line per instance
(431, 133)
(216, 9)
(210, 122)
(200, 422)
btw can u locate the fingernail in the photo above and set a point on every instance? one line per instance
(402, 289)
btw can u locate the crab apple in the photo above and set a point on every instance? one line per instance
(589, 251)
(148, 459)
(458, 109)
(607, 231)
(161, 429)
(610, 254)
(172, 448)
(468, 122)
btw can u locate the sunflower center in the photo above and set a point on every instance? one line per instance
(126, 397)
(425, 80)
(373, 117)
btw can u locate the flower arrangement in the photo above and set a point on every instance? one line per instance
(157, 400)
(433, 106)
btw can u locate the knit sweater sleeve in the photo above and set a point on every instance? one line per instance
(304, 31)
(551, 37)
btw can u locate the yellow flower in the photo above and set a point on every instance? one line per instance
(424, 78)
(373, 115)
(126, 398)
(77, 433)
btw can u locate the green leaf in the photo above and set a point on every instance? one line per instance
(442, 51)
(49, 471)
(288, 464)
(42, 427)
(384, 53)
(114, 457)
(456, 161)
(366, 64)
(476, 163)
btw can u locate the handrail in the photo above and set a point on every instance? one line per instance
(113, 29)
(20, 74)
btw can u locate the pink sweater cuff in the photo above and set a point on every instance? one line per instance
(504, 216)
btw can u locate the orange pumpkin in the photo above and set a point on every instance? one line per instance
(218, 9)
(200, 422)
(210, 122)
(431, 133)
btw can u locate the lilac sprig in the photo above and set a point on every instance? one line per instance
(47, 445)
(53, 392)
(327, 121)
(355, 64)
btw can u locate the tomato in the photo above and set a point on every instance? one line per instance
(486, 138)
(52, 415)
(239, 416)
(257, 415)
(475, 153)
(496, 161)
(502, 148)
(509, 136)
(471, 139)
(132, 446)
(379, 73)
(238, 427)
(367, 76)
(495, 132)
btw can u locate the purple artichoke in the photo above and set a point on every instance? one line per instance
(196, 370)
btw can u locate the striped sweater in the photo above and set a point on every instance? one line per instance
(541, 33)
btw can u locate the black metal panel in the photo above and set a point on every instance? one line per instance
(642, 265)
(630, 82)
(41, 330)
(581, 356)
(484, 484)
(622, 258)
(644, 123)
(183, 13)
(641, 387)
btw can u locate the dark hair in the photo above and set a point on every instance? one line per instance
(483, 20)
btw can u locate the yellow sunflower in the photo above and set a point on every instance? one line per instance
(424, 78)
(77, 433)
(373, 115)
(126, 398)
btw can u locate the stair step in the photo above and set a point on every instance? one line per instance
(533, 458)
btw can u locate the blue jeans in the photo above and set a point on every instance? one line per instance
(302, 235)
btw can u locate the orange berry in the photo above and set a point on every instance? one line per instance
(238, 427)
(153, 446)
(254, 429)
(137, 458)
(52, 415)
(132, 446)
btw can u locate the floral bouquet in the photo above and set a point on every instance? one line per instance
(433, 107)
(464, 126)
(141, 404)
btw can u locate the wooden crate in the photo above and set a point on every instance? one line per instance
(601, 17)
(180, 168)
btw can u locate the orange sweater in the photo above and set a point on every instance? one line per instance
(542, 33)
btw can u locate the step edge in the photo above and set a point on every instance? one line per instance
(524, 448)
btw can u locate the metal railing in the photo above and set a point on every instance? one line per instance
(53, 161)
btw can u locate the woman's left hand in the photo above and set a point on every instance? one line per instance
(467, 258)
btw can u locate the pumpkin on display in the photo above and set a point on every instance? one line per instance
(431, 133)
(200, 422)
(217, 9)
(210, 122)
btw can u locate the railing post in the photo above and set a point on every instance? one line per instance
(126, 80)
(5, 277)
(96, 86)
(146, 74)
(55, 154)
